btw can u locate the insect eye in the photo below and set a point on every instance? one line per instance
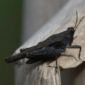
(71, 29)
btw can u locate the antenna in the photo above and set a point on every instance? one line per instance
(76, 22)
(80, 21)
(76, 19)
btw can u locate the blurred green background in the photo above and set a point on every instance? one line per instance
(10, 32)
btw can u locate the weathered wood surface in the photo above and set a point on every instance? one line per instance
(37, 13)
(41, 74)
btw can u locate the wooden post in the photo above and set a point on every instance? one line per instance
(41, 74)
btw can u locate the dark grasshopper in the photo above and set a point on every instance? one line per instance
(49, 49)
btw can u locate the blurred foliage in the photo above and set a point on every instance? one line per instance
(10, 31)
